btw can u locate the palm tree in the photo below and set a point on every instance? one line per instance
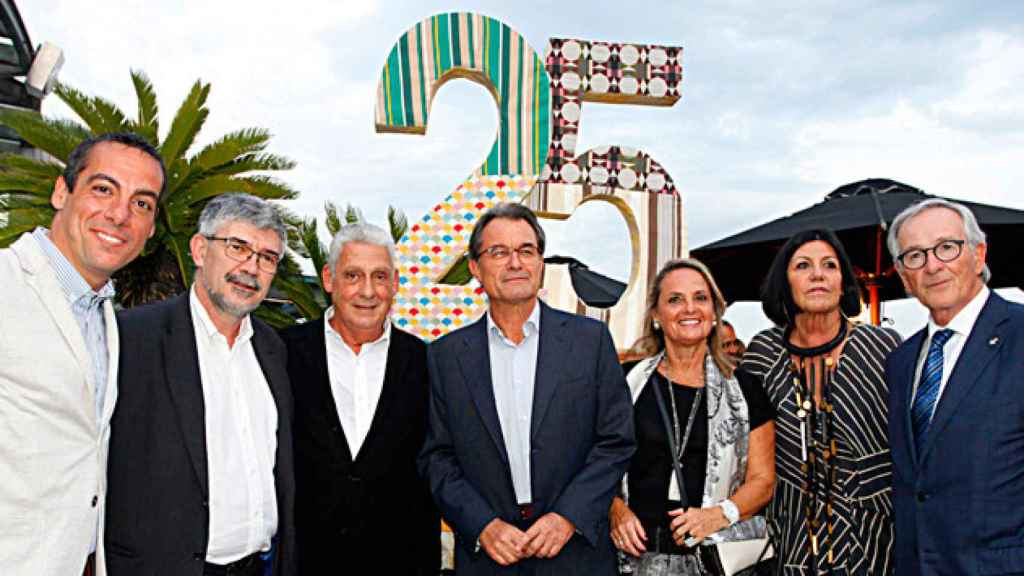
(236, 162)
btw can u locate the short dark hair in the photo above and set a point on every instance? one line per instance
(79, 156)
(777, 294)
(509, 212)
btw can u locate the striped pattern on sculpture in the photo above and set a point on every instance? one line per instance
(485, 50)
(863, 531)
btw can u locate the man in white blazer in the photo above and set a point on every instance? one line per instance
(58, 356)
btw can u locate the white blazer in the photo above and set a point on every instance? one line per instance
(53, 453)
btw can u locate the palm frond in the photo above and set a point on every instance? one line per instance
(333, 221)
(353, 215)
(397, 222)
(17, 181)
(21, 220)
(272, 314)
(82, 105)
(114, 120)
(230, 147)
(300, 293)
(266, 187)
(26, 165)
(17, 200)
(254, 163)
(55, 136)
(458, 274)
(147, 124)
(187, 122)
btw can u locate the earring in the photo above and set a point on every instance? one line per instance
(656, 325)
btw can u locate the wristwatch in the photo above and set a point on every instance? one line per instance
(732, 513)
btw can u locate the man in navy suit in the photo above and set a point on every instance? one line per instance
(530, 420)
(956, 406)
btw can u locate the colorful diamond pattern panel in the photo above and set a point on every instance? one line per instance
(433, 244)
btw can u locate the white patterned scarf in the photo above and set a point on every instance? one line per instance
(728, 440)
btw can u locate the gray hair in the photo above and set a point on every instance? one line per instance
(508, 211)
(360, 232)
(972, 231)
(238, 206)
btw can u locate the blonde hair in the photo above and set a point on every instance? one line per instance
(652, 340)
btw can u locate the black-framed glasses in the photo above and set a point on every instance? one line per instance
(241, 251)
(945, 251)
(528, 253)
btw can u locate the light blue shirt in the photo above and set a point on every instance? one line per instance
(513, 373)
(87, 307)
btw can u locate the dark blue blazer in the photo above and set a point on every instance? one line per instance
(581, 442)
(959, 504)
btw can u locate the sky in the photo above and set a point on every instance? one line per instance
(782, 101)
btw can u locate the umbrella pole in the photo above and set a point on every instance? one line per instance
(876, 313)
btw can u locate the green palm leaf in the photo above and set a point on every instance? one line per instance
(229, 147)
(187, 122)
(56, 137)
(333, 221)
(148, 123)
(397, 222)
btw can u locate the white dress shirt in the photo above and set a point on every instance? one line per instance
(961, 325)
(356, 380)
(241, 441)
(513, 374)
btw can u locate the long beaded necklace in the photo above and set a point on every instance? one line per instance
(681, 442)
(808, 366)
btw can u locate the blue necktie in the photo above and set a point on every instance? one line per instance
(928, 388)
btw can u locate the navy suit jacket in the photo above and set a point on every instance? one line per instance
(581, 442)
(959, 504)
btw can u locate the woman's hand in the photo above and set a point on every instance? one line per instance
(627, 532)
(698, 523)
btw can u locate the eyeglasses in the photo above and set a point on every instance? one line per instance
(528, 253)
(241, 251)
(945, 251)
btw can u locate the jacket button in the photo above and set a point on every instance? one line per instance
(354, 479)
(206, 504)
(95, 500)
(197, 556)
(922, 496)
(336, 429)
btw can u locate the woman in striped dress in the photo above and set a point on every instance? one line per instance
(832, 511)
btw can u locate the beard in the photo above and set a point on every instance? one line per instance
(226, 305)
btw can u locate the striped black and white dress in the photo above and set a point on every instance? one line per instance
(862, 538)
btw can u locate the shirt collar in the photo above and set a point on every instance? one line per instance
(530, 327)
(964, 320)
(330, 332)
(71, 281)
(201, 319)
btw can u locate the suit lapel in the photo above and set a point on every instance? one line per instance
(553, 350)
(320, 381)
(475, 363)
(982, 345)
(272, 365)
(43, 281)
(390, 395)
(181, 363)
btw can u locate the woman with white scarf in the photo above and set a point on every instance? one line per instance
(721, 424)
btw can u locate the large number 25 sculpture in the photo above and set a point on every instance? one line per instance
(533, 158)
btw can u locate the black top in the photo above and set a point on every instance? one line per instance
(651, 466)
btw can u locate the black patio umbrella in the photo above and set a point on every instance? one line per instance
(860, 214)
(594, 289)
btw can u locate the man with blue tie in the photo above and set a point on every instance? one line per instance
(956, 406)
